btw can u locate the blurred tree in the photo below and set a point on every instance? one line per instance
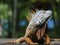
(16, 10)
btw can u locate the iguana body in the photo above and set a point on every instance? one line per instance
(40, 17)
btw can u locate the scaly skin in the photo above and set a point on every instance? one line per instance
(36, 20)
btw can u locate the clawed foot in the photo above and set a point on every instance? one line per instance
(11, 42)
(15, 42)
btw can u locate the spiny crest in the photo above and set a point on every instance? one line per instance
(31, 14)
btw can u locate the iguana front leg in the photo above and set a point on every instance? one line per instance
(20, 40)
(47, 39)
(29, 32)
(27, 39)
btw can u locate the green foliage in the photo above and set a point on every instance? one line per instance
(23, 7)
(3, 10)
(24, 12)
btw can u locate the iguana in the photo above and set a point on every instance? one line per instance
(40, 17)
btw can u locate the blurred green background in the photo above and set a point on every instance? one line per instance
(13, 20)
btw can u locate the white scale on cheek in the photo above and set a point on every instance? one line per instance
(40, 19)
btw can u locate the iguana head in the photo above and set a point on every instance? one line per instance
(41, 16)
